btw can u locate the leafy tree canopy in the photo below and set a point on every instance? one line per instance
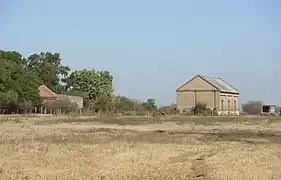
(18, 83)
(49, 69)
(20, 78)
(252, 107)
(95, 86)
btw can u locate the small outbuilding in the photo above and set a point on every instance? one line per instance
(49, 96)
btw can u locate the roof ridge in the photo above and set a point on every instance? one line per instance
(228, 84)
(206, 79)
(212, 77)
(215, 82)
(208, 76)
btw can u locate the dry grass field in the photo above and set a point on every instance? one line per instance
(132, 148)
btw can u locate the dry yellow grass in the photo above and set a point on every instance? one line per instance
(151, 148)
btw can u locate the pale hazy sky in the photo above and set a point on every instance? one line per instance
(153, 46)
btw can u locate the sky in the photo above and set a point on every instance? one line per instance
(151, 47)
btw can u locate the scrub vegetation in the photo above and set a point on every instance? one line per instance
(140, 148)
(121, 138)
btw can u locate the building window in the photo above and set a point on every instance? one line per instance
(228, 105)
(222, 105)
(195, 97)
(235, 106)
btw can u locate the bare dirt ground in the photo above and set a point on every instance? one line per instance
(127, 148)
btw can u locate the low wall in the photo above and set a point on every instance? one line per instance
(228, 113)
(76, 99)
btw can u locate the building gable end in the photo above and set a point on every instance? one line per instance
(44, 91)
(207, 85)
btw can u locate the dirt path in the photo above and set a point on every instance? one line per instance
(200, 170)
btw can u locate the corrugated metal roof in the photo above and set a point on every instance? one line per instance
(221, 84)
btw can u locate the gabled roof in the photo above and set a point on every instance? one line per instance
(45, 92)
(219, 83)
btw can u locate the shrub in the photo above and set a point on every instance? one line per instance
(199, 109)
(159, 112)
(202, 109)
(169, 110)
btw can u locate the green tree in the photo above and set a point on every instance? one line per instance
(49, 69)
(18, 84)
(27, 88)
(21, 77)
(149, 105)
(7, 94)
(252, 107)
(124, 104)
(95, 86)
(10, 64)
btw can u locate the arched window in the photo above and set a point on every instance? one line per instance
(222, 105)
